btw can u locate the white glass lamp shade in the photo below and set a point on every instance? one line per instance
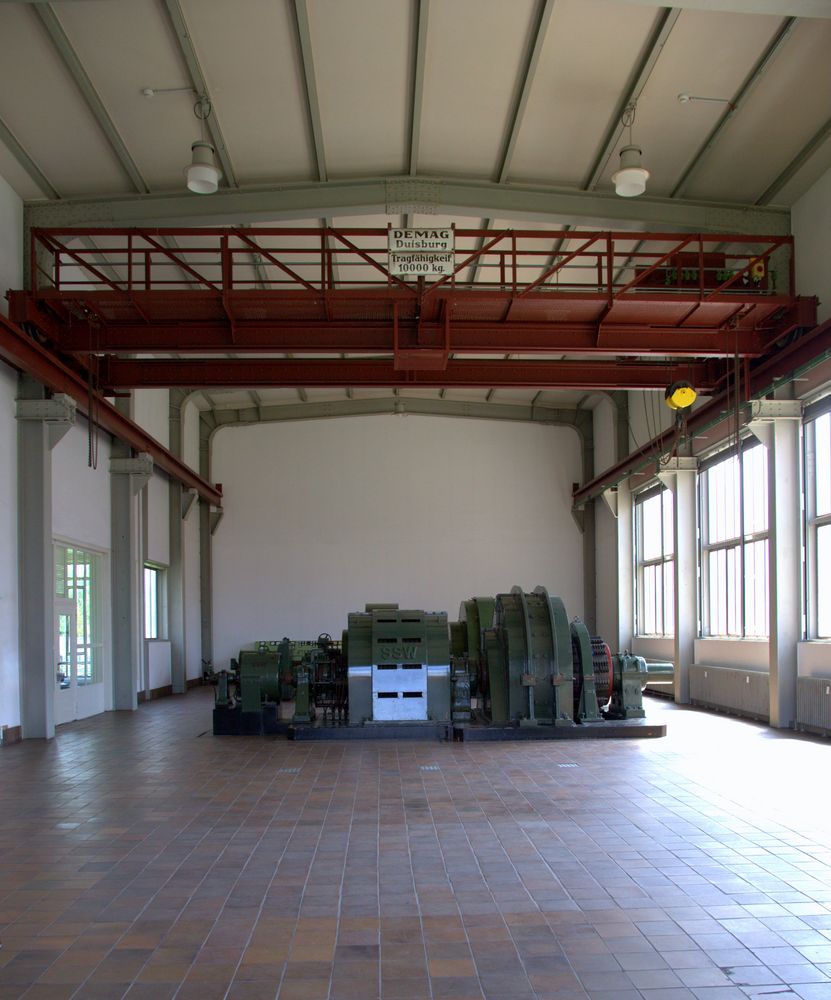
(630, 180)
(202, 174)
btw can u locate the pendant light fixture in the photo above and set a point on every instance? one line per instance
(630, 180)
(203, 174)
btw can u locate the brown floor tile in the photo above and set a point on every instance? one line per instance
(321, 871)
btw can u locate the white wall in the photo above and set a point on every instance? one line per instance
(324, 516)
(151, 411)
(749, 654)
(11, 243)
(605, 526)
(648, 416)
(657, 647)
(811, 227)
(80, 494)
(9, 629)
(11, 276)
(190, 552)
(158, 663)
(814, 658)
(158, 520)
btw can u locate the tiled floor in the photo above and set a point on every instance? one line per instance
(140, 856)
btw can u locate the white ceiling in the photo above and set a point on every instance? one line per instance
(506, 91)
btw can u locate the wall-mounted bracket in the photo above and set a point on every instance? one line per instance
(139, 469)
(188, 498)
(765, 412)
(667, 474)
(216, 517)
(58, 413)
(610, 497)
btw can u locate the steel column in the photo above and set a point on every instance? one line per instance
(126, 569)
(175, 571)
(776, 423)
(679, 476)
(36, 569)
(625, 564)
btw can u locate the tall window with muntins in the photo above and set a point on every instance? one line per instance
(154, 603)
(734, 544)
(655, 558)
(818, 525)
(78, 578)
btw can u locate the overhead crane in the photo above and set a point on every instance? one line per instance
(604, 312)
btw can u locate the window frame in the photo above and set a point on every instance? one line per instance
(813, 522)
(158, 607)
(739, 543)
(665, 561)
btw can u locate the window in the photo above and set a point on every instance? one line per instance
(78, 578)
(655, 570)
(734, 541)
(155, 617)
(818, 522)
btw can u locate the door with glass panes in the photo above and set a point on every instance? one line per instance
(66, 665)
(79, 676)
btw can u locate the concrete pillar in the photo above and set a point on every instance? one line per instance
(776, 423)
(208, 521)
(180, 504)
(41, 423)
(625, 567)
(679, 476)
(128, 476)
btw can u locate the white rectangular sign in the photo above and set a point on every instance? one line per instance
(420, 251)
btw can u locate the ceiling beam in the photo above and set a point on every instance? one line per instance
(200, 86)
(750, 81)
(524, 83)
(118, 373)
(373, 337)
(464, 197)
(797, 8)
(279, 412)
(59, 39)
(312, 104)
(796, 164)
(34, 172)
(422, 13)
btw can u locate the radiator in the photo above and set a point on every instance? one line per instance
(813, 705)
(731, 689)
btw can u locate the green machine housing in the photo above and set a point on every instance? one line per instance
(398, 665)
(513, 660)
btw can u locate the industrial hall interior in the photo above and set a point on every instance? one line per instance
(415, 499)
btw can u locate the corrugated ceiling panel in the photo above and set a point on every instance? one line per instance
(588, 55)
(249, 56)
(44, 109)
(474, 49)
(708, 54)
(786, 108)
(363, 71)
(157, 131)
